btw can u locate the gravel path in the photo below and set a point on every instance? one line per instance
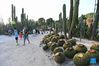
(28, 55)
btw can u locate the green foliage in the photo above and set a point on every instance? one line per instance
(89, 15)
(50, 22)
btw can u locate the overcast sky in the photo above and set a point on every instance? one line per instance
(42, 8)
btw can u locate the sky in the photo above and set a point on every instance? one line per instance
(42, 8)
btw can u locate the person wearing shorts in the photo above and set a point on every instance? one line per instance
(16, 37)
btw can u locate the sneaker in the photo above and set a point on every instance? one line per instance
(17, 44)
(23, 44)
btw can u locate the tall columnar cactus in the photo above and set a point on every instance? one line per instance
(23, 17)
(12, 12)
(74, 23)
(22, 10)
(95, 25)
(64, 19)
(70, 14)
(61, 24)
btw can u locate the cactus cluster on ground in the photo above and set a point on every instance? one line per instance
(69, 49)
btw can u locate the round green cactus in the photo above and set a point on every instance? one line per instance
(95, 47)
(59, 57)
(45, 41)
(61, 37)
(49, 44)
(55, 39)
(80, 48)
(69, 52)
(66, 45)
(61, 42)
(93, 53)
(71, 42)
(53, 46)
(80, 59)
(45, 47)
(58, 49)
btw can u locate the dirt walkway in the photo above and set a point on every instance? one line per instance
(29, 55)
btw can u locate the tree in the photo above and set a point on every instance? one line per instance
(41, 22)
(50, 22)
(95, 24)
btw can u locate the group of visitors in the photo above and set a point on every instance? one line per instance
(23, 34)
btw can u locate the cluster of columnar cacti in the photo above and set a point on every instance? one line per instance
(14, 17)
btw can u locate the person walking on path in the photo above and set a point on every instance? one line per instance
(25, 36)
(20, 35)
(16, 37)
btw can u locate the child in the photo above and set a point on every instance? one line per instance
(20, 35)
(16, 37)
(26, 37)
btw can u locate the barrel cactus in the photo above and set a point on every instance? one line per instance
(59, 57)
(71, 42)
(49, 44)
(46, 40)
(93, 54)
(61, 42)
(61, 37)
(53, 46)
(45, 47)
(80, 48)
(80, 59)
(55, 39)
(58, 49)
(69, 52)
(95, 47)
(57, 34)
(66, 45)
